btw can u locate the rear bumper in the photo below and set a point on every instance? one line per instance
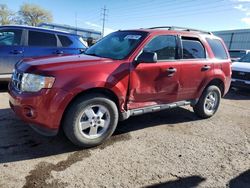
(43, 110)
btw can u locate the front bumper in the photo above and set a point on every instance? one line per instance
(240, 83)
(43, 110)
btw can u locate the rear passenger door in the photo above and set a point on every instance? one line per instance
(11, 50)
(195, 67)
(40, 44)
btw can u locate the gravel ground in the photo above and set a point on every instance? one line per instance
(171, 148)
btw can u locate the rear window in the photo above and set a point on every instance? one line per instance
(65, 41)
(192, 49)
(217, 48)
(41, 39)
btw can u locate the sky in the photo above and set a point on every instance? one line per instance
(212, 15)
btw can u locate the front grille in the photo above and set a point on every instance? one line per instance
(17, 80)
(241, 75)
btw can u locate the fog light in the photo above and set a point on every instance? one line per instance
(29, 112)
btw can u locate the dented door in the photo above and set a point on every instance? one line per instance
(153, 83)
(156, 83)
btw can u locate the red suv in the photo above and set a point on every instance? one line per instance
(127, 73)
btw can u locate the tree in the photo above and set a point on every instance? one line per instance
(6, 15)
(33, 15)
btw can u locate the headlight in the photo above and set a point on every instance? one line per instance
(34, 83)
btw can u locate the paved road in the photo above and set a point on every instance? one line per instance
(172, 148)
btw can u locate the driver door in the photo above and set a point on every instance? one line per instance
(156, 83)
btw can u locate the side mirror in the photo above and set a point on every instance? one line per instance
(82, 50)
(147, 57)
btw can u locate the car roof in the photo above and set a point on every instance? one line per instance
(176, 30)
(37, 29)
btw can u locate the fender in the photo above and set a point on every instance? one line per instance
(209, 80)
(118, 87)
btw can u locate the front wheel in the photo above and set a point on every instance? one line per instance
(90, 120)
(209, 102)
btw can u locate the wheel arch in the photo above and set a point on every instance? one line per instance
(98, 90)
(217, 82)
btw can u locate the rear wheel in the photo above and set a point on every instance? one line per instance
(209, 102)
(90, 120)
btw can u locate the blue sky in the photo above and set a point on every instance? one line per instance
(210, 15)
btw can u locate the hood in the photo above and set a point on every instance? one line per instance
(241, 66)
(56, 63)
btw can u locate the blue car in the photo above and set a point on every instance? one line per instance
(18, 42)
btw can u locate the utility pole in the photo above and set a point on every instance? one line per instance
(76, 21)
(104, 15)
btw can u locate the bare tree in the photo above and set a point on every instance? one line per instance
(33, 14)
(6, 15)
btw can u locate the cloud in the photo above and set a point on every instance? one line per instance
(240, 7)
(106, 29)
(243, 1)
(92, 24)
(246, 20)
(245, 10)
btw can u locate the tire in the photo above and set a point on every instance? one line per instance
(209, 102)
(90, 120)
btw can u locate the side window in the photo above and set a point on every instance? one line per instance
(192, 48)
(218, 49)
(65, 41)
(10, 37)
(41, 39)
(164, 46)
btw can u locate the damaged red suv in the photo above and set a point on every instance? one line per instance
(125, 74)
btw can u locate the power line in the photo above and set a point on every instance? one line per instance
(152, 5)
(194, 13)
(104, 14)
(177, 10)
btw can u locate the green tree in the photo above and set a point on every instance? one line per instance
(33, 14)
(6, 15)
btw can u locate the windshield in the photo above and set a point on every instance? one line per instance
(117, 45)
(245, 58)
(237, 54)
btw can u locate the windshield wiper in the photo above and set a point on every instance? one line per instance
(92, 54)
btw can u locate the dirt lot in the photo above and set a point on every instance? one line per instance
(167, 149)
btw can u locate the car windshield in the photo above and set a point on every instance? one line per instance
(117, 45)
(237, 54)
(245, 58)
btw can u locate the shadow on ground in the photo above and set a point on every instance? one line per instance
(3, 87)
(186, 182)
(242, 181)
(238, 94)
(20, 142)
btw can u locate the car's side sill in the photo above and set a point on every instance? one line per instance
(155, 108)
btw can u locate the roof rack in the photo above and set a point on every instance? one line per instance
(180, 29)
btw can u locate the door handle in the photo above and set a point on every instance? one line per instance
(205, 68)
(16, 52)
(171, 70)
(59, 52)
